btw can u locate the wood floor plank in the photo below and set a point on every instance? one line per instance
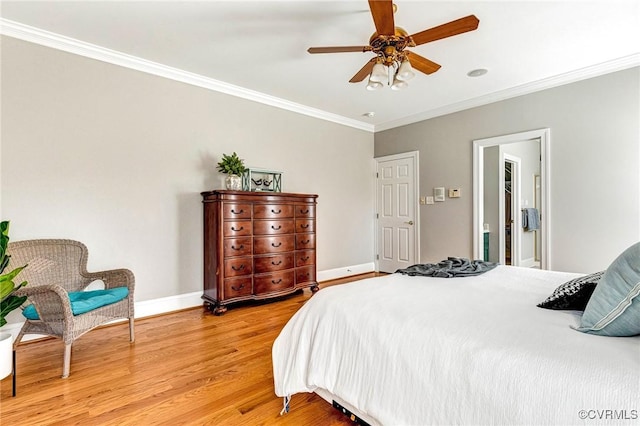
(186, 367)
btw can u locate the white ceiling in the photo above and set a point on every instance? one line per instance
(261, 46)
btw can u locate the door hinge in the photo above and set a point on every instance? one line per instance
(377, 216)
(377, 175)
(377, 257)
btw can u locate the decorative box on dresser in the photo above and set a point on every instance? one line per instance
(257, 245)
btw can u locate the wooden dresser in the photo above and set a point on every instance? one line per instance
(257, 245)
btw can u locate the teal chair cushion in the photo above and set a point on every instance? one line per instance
(614, 307)
(85, 301)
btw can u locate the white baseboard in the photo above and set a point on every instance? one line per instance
(168, 304)
(163, 305)
(347, 271)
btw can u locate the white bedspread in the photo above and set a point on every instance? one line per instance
(475, 350)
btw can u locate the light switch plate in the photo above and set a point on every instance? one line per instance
(429, 200)
(454, 193)
(423, 199)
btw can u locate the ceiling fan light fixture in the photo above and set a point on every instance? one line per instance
(378, 73)
(373, 85)
(399, 84)
(405, 71)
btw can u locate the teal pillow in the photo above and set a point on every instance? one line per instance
(614, 307)
(85, 301)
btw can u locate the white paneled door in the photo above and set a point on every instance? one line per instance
(397, 218)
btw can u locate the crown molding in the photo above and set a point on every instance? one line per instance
(547, 83)
(67, 44)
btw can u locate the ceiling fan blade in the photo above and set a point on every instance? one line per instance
(339, 49)
(382, 12)
(459, 26)
(364, 72)
(422, 64)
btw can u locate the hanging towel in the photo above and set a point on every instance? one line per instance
(530, 219)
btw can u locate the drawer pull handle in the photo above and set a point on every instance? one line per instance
(305, 242)
(304, 276)
(276, 212)
(235, 212)
(304, 259)
(237, 269)
(238, 248)
(304, 225)
(237, 289)
(304, 211)
(233, 228)
(276, 245)
(276, 263)
(276, 282)
(276, 229)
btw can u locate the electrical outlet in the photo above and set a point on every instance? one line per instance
(454, 193)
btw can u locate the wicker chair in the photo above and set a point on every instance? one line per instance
(56, 268)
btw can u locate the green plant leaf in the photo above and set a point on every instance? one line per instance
(4, 263)
(11, 275)
(8, 305)
(231, 164)
(7, 286)
(8, 300)
(4, 239)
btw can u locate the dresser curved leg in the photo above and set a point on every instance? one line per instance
(314, 288)
(219, 310)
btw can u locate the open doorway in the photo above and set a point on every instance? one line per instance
(489, 202)
(509, 227)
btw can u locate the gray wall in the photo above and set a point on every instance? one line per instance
(117, 159)
(595, 167)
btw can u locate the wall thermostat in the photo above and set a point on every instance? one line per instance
(438, 193)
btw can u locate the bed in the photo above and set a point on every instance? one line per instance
(407, 350)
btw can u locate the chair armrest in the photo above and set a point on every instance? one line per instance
(114, 278)
(51, 301)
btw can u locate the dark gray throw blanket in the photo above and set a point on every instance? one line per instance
(450, 268)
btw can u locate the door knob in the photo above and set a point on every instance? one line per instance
(410, 222)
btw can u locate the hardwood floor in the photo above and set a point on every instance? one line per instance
(187, 367)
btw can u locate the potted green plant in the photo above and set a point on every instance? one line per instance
(233, 167)
(9, 300)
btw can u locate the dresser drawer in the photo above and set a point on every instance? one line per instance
(275, 281)
(305, 210)
(237, 246)
(237, 211)
(305, 225)
(273, 227)
(237, 228)
(235, 266)
(306, 257)
(262, 264)
(305, 241)
(272, 211)
(305, 275)
(237, 287)
(275, 244)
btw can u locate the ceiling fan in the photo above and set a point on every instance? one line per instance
(389, 43)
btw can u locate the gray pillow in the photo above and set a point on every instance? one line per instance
(614, 307)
